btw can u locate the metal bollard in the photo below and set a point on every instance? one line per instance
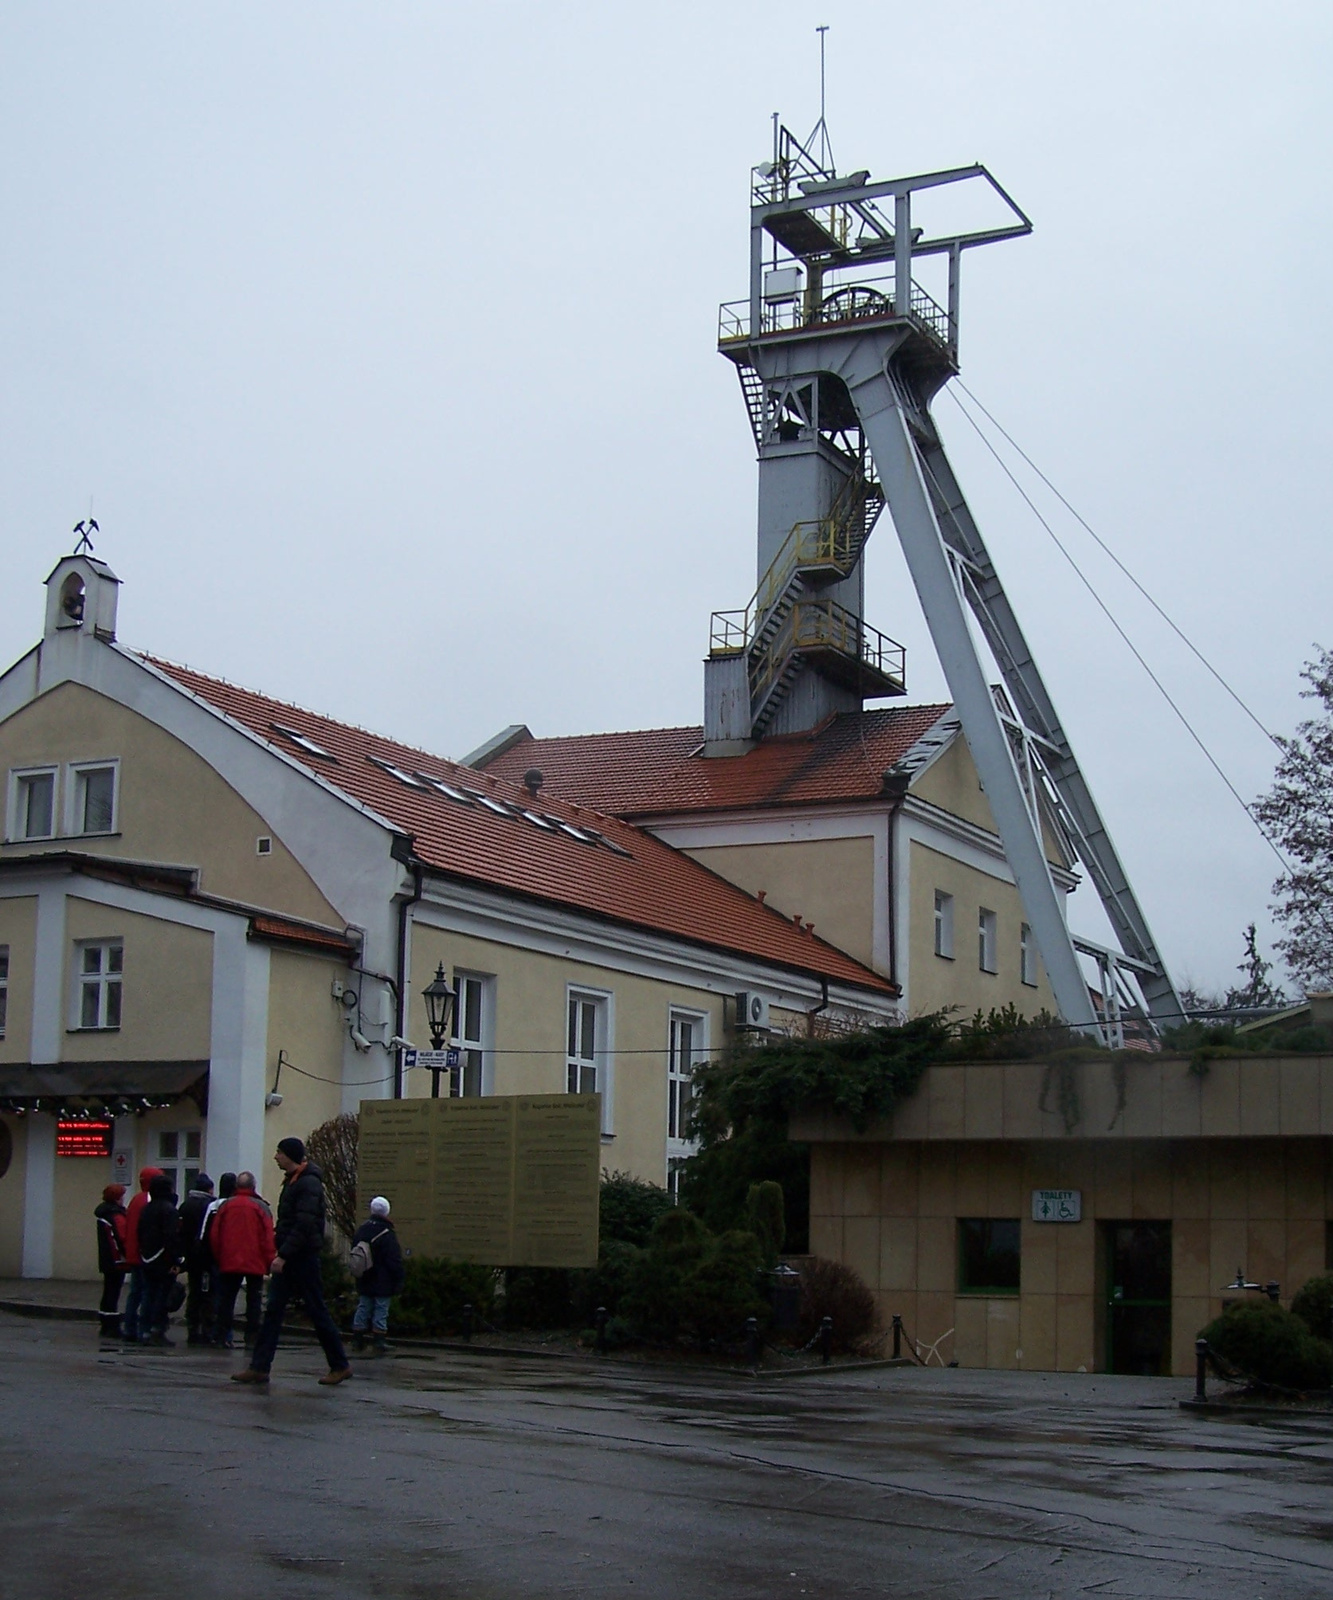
(897, 1337)
(467, 1324)
(599, 1322)
(1201, 1369)
(826, 1340)
(753, 1347)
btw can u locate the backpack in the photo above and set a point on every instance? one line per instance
(362, 1258)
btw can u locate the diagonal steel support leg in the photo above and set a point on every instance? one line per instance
(887, 431)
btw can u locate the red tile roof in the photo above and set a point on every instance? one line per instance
(614, 870)
(659, 772)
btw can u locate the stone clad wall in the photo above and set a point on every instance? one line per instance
(890, 1211)
(1237, 1160)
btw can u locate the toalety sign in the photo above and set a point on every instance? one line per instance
(1057, 1205)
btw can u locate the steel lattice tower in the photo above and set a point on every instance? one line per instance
(840, 353)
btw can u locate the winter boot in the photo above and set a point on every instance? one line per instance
(381, 1345)
(358, 1341)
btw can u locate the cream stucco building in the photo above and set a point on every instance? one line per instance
(218, 912)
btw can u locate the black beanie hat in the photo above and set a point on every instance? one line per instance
(293, 1149)
(159, 1188)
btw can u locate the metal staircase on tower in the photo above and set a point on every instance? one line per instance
(840, 351)
(788, 624)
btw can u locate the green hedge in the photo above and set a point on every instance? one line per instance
(1272, 1346)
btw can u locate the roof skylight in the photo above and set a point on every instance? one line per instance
(308, 746)
(405, 778)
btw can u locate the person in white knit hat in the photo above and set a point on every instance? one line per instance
(377, 1264)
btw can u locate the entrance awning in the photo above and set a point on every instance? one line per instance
(119, 1088)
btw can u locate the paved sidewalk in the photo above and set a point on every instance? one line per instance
(441, 1475)
(70, 1299)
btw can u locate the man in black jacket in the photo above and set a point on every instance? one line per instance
(298, 1239)
(159, 1228)
(198, 1260)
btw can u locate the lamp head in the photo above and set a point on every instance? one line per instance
(439, 998)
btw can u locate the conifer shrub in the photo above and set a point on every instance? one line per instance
(1313, 1304)
(1271, 1346)
(765, 1215)
(435, 1293)
(628, 1207)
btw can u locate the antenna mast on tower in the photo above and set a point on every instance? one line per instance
(840, 351)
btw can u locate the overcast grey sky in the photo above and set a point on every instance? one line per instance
(383, 339)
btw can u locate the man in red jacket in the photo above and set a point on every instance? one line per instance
(134, 1302)
(241, 1237)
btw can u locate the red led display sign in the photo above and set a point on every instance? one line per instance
(84, 1138)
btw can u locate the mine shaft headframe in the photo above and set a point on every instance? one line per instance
(846, 227)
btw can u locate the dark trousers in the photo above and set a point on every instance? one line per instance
(227, 1287)
(199, 1291)
(299, 1278)
(109, 1308)
(134, 1306)
(153, 1315)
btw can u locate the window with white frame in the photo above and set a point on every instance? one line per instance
(32, 804)
(92, 798)
(587, 1046)
(987, 924)
(471, 1026)
(944, 924)
(101, 966)
(1027, 957)
(685, 1052)
(179, 1152)
(4, 987)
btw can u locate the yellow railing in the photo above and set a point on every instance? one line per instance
(825, 625)
(833, 541)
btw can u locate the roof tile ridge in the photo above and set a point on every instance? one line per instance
(691, 728)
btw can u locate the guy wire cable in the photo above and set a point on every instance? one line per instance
(1107, 550)
(1131, 646)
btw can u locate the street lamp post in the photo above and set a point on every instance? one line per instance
(439, 998)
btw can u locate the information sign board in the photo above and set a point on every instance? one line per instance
(1057, 1205)
(502, 1180)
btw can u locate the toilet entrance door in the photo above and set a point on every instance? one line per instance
(1138, 1297)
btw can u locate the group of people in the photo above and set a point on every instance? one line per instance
(231, 1241)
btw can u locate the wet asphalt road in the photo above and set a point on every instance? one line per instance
(450, 1476)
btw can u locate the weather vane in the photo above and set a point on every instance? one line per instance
(85, 530)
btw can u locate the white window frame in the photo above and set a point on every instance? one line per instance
(943, 925)
(183, 1166)
(1027, 957)
(603, 1047)
(679, 1082)
(988, 938)
(104, 979)
(478, 1042)
(75, 774)
(4, 988)
(18, 779)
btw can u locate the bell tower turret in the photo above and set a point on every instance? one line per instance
(81, 596)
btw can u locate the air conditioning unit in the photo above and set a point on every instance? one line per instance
(751, 1011)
